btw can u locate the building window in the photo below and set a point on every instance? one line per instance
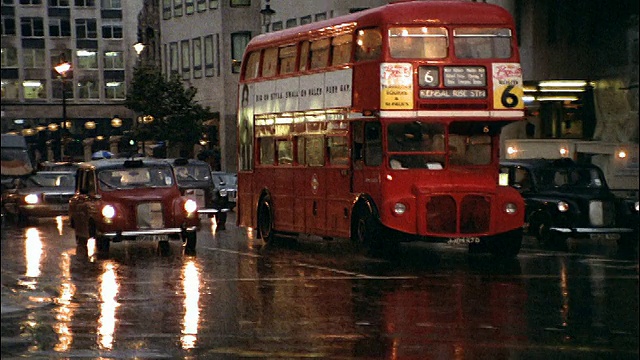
(34, 89)
(201, 6)
(30, 2)
(173, 58)
(208, 56)
(59, 27)
(88, 89)
(59, 3)
(276, 26)
(86, 29)
(111, 29)
(305, 20)
(166, 9)
(188, 4)
(10, 89)
(213, 4)
(186, 60)
(197, 58)
(33, 58)
(239, 42)
(112, 4)
(291, 23)
(114, 90)
(9, 58)
(56, 89)
(8, 25)
(177, 8)
(87, 59)
(85, 3)
(240, 3)
(113, 60)
(320, 16)
(32, 27)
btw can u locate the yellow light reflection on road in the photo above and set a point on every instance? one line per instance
(59, 222)
(108, 292)
(191, 288)
(64, 310)
(33, 256)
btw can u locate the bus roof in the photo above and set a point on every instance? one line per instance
(413, 12)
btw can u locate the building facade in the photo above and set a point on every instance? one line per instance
(96, 38)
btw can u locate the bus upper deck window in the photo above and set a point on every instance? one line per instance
(341, 46)
(368, 44)
(253, 65)
(320, 53)
(482, 43)
(288, 59)
(418, 42)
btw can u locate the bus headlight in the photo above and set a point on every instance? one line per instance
(31, 199)
(108, 211)
(190, 206)
(510, 208)
(399, 208)
(563, 206)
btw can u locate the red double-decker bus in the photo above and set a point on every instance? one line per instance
(383, 126)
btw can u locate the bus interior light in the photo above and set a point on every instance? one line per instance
(564, 151)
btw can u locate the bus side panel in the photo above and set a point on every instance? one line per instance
(245, 212)
(338, 202)
(299, 188)
(282, 195)
(315, 204)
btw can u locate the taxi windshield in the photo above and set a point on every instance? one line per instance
(192, 172)
(127, 178)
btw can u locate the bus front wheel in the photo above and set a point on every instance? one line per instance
(265, 220)
(366, 232)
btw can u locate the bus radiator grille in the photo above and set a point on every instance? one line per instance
(441, 215)
(475, 214)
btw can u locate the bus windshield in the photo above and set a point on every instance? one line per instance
(418, 42)
(482, 43)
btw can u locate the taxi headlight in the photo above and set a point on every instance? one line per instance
(637, 206)
(31, 199)
(223, 192)
(190, 206)
(399, 208)
(108, 211)
(563, 206)
(510, 208)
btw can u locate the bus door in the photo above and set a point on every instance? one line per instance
(314, 184)
(366, 157)
(338, 180)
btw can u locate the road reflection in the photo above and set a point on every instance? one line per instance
(191, 288)
(33, 257)
(108, 292)
(64, 310)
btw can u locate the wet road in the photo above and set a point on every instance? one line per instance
(236, 298)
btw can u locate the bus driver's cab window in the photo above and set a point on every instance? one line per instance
(373, 144)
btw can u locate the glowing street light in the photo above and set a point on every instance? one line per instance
(62, 70)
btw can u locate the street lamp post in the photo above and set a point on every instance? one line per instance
(267, 13)
(62, 69)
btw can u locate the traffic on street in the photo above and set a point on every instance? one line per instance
(237, 297)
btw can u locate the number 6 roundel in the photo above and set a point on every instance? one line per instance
(507, 86)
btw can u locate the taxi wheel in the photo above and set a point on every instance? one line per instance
(164, 248)
(190, 242)
(221, 220)
(81, 241)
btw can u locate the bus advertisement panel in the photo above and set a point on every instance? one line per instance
(383, 126)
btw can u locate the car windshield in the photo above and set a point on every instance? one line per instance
(228, 180)
(50, 180)
(550, 178)
(192, 172)
(123, 178)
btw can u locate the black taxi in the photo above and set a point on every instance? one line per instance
(196, 181)
(564, 198)
(131, 199)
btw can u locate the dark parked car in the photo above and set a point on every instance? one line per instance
(228, 184)
(43, 194)
(195, 180)
(565, 199)
(131, 199)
